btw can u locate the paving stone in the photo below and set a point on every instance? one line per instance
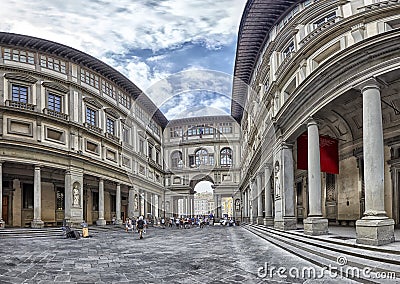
(212, 255)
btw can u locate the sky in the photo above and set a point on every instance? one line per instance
(181, 53)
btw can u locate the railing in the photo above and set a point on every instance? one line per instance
(112, 137)
(56, 114)
(93, 128)
(20, 105)
(318, 30)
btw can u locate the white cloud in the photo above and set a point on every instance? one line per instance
(100, 27)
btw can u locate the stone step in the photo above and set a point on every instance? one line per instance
(53, 232)
(327, 253)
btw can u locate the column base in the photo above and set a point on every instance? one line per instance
(315, 226)
(246, 220)
(37, 224)
(375, 231)
(269, 221)
(2, 224)
(101, 222)
(260, 221)
(286, 224)
(118, 222)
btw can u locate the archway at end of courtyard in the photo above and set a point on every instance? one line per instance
(207, 202)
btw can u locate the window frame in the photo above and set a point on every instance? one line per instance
(224, 157)
(110, 125)
(95, 112)
(55, 94)
(20, 85)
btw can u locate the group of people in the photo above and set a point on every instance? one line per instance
(189, 222)
(136, 224)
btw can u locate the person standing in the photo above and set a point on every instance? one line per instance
(140, 225)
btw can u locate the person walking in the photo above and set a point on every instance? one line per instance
(140, 225)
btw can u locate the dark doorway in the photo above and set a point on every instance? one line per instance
(5, 209)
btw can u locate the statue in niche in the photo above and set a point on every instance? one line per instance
(76, 195)
(277, 180)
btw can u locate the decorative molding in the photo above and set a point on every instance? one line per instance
(93, 102)
(55, 86)
(112, 112)
(20, 77)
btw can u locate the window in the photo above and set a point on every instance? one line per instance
(141, 146)
(124, 100)
(27, 196)
(60, 198)
(108, 89)
(54, 102)
(200, 130)
(176, 160)
(157, 157)
(225, 127)
(19, 55)
(287, 52)
(89, 78)
(150, 148)
(176, 132)
(126, 134)
(325, 19)
(19, 93)
(201, 157)
(226, 157)
(110, 127)
(91, 116)
(52, 63)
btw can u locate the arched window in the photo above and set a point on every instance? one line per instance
(176, 159)
(226, 157)
(201, 157)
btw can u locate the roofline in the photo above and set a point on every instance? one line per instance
(84, 59)
(259, 17)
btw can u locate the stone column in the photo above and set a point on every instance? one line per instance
(185, 206)
(132, 210)
(118, 205)
(140, 197)
(285, 218)
(246, 205)
(375, 228)
(268, 220)
(315, 224)
(144, 198)
(37, 200)
(260, 219)
(101, 221)
(251, 202)
(2, 223)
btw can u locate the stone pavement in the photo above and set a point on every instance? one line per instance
(210, 255)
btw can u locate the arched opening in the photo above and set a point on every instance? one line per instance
(204, 204)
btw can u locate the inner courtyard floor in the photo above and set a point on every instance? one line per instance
(210, 255)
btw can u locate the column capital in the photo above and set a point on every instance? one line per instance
(371, 83)
(311, 121)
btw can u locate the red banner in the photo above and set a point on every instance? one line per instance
(329, 153)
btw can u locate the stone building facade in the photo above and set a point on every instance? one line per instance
(201, 149)
(78, 140)
(313, 75)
